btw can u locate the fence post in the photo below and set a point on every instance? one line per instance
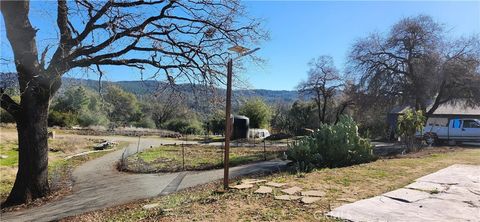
(264, 150)
(138, 144)
(183, 157)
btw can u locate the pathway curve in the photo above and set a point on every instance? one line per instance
(99, 185)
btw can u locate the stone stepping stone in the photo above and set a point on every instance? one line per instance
(264, 190)
(309, 200)
(273, 184)
(151, 206)
(242, 186)
(292, 190)
(287, 197)
(313, 193)
(253, 181)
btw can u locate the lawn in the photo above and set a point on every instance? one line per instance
(341, 185)
(197, 157)
(59, 168)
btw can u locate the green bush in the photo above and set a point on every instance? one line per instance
(331, 146)
(92, 119)
(145, 122)
(408, 124)
(62, 119)
(185, 126)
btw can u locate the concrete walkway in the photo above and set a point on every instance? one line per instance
(99, 185)
(451, 194)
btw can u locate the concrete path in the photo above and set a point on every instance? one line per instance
(451, 194)
(99, 185)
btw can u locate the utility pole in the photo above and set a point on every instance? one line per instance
(228, 109)
(228, 123)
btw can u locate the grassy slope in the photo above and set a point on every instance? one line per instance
(341, 185)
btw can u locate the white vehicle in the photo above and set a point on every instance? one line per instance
(439, 130)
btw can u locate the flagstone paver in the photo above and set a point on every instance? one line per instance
(292, 190)
(253, 181)
(274, 184)
(313, 193)
(243, 186)
(309, 200)
(287, 197)
(264, 190)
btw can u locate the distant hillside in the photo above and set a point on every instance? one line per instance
(141, 88)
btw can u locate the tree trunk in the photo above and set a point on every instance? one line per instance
(324, 108)
(32, 176)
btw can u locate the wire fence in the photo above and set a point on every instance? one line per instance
(195, 155)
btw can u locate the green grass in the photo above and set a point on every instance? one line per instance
(169, 158)
(9, 150)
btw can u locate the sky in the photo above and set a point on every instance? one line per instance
(302, 30)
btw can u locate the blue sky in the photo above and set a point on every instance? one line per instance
(302, 30)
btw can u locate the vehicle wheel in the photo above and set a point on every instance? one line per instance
(431, 139)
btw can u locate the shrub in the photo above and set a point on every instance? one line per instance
(331, 146)
(90, 119)
(62, 119)
(408, 124)
(184, 126)
(145, 122)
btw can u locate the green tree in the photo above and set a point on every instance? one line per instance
(77, 105)
(184, 38)
(74, 100)
(408, 125)
(216, 122)
(302, 115)
(123, 105)
(258, 112)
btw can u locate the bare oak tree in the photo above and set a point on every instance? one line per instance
(415, 64)
(323, 82)
(181, 39)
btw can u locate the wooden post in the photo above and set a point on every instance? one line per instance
(183, 157)
(228, 108)
(264, 150)
(138, 144)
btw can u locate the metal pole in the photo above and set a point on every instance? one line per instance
(264, 150)
(227, 123)
(183, 157)
(138, 144)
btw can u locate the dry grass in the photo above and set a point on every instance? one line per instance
(342, 185)
(59, 169)
(170, 158)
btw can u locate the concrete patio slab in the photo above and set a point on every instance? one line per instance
(407, 195)
(457, 202)
(427, 186)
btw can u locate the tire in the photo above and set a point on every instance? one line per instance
(431, 139)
